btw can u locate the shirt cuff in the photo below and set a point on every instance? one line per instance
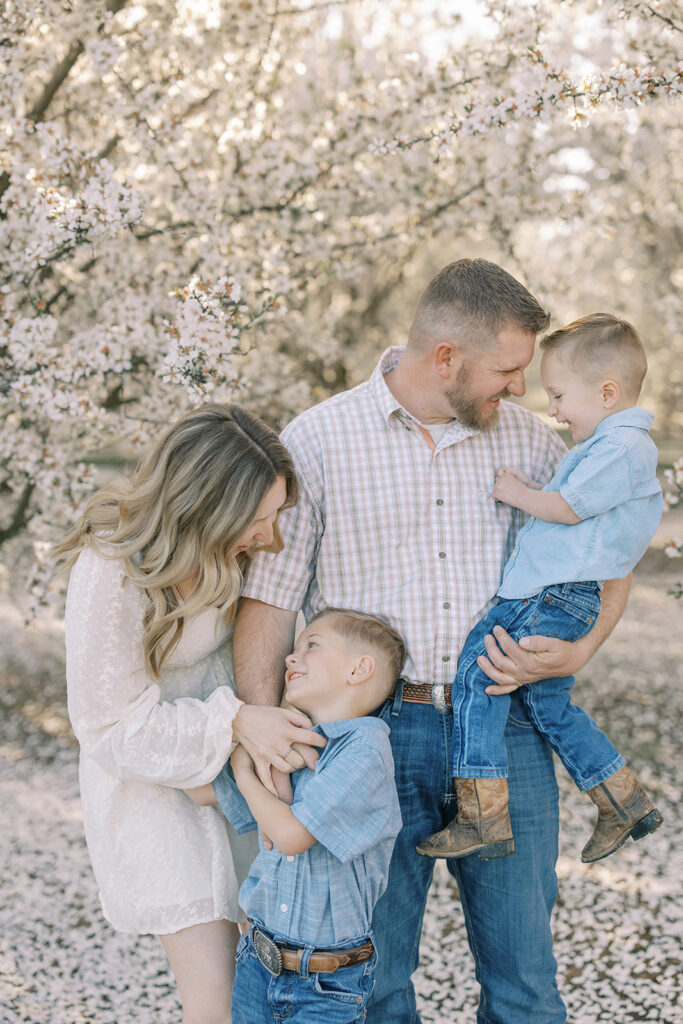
(575, 503)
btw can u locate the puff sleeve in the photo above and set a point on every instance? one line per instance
(116, 709)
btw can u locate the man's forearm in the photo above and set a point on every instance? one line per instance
(614, 597)
(264, 636)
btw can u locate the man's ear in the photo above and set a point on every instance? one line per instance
(610, 390)
(363, 669)
(447, 359)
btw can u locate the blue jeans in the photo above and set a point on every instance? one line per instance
(567, 611)
(506, 902)
(339, 997)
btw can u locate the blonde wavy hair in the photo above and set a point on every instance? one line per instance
(181, 515)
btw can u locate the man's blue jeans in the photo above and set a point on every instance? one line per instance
(478, 751)
(506, 902)
(339, 997)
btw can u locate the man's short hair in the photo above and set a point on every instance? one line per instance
(368, 629)
(601, 345)
(469, 302)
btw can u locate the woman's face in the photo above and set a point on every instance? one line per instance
(260, 530)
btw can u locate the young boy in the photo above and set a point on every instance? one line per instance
(308, 955)
(592, 522)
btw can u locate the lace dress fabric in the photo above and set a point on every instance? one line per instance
(161, 862)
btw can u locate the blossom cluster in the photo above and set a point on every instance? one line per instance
(673, 493)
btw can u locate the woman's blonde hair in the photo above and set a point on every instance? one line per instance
(181, 515)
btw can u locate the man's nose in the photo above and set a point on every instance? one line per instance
(516, 385)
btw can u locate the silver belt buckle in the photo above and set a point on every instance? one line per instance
(438, 695)
(267, 953)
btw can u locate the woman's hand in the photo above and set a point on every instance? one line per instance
(269, 734)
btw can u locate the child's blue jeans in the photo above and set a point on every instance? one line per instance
(567, 611)
(339, 997)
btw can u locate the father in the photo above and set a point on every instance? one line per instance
(396, 519)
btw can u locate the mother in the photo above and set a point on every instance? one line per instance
(156, 569)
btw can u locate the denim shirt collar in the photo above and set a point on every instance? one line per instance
(348, 725)
(626, 418)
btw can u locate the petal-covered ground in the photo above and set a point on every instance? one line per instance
(618, 924)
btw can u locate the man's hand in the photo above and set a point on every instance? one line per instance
(511, 664)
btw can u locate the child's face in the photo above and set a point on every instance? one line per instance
(318, 669)
(571, 399)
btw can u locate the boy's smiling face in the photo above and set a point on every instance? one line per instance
(572, 400)
(318, 670)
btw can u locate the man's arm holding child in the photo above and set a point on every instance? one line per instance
(510, 664)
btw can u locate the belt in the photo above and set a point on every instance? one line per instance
(437, 694)
(277, 957)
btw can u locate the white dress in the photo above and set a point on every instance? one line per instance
(161, 862)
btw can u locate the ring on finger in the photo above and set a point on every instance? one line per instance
(286, 754)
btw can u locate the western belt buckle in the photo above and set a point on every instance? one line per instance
(267, 953)
(438, 695)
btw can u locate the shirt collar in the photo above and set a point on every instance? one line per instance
(626, 418)
(347, 725)
(386, 403)
(391, 409)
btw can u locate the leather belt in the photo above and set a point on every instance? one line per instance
(436, 694)
(277, 957)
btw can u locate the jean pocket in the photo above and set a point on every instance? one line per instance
(348, 984)
(566, 616)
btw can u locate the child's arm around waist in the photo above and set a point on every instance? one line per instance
(515, 488)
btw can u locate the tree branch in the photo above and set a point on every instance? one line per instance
(19, 519)
(57, 79)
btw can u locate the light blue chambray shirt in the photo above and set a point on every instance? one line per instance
(325, 896)
(610, 482)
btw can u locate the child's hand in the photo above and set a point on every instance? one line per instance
(509, 486)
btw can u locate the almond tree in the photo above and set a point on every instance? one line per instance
(202, 199)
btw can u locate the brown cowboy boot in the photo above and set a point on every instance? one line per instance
(624, 809)
(482, 823)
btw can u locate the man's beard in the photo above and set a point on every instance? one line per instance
(472, 412)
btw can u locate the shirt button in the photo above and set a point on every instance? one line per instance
(447, 604)
(283, 908)
(442, 554)
(439, 501)
(446, 657)
(290, 858)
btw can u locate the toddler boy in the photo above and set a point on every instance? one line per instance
(592, 522)
(308, 955)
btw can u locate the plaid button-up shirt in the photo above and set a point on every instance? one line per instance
(387, 526)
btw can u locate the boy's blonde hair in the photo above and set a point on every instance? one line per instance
(601, 344)
(368, 629)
